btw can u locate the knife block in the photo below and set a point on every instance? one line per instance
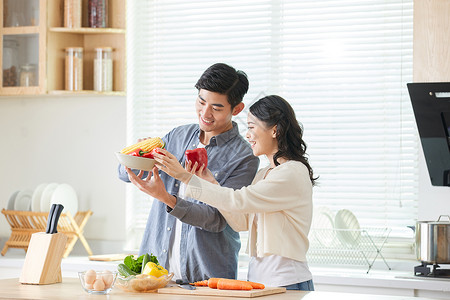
(43, 260)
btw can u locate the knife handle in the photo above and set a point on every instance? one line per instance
(49, 219)
(54, 225)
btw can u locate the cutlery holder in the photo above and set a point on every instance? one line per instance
(42, 263)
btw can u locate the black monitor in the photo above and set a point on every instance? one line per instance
(431, 105)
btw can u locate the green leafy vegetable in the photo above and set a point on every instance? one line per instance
(135, 265)
(153, 259)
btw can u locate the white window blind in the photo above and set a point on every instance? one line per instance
(343, 65)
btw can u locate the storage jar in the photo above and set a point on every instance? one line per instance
(103, 69)
(72, 13)
(98, 13)
(74, 69)
(10, 62)
(27, 75)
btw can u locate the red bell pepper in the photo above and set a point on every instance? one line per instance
(198, 155)
(139, 152)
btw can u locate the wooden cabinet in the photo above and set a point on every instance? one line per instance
(40, 40)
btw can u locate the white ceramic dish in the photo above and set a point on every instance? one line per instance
(12, 198)
(323, 225)
(349, 230)
(36, 199)
(47, 196)
(135, 162)
(65, 194)
(23, 200)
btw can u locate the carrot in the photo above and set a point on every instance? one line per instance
(200, 283)
(256, 285)
(232, 284)
(212, 282)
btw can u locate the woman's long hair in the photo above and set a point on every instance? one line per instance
(274, 110)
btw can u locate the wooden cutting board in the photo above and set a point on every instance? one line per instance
(206, 291)
(108, 257)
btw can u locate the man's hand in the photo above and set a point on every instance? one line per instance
(168, 163)
(152, 185)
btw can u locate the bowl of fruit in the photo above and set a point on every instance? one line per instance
(142, 274)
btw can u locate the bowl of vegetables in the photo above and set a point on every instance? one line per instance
(142, 274)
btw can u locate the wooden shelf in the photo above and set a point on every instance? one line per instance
(20, 30)
(86, 93)
(88, 30)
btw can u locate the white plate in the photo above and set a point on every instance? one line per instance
(65, 194)
(135, 162)
(23, 200)
(12, 198)
(36, 199)
(323, 225)
(349, 234)
(47, 197)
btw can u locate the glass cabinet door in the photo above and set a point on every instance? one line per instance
(23, 58)
(20, 60)
(17, 13)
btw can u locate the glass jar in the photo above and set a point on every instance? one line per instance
(103, 69)
(72, 13)
(10, 62)
(27, 75)
(74, 69)
(98, 13)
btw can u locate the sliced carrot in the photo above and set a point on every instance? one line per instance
(232, 284)
(200, 283)
(212, 282)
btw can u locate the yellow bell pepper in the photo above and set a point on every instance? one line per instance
(155, 270)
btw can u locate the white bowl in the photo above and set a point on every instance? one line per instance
(135, 162)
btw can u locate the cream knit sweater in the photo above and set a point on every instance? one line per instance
(283, 202)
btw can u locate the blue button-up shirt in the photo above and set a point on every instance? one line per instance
(209, 247)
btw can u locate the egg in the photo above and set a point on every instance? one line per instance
(89, 286)
(99, 285)
(90, 277)
(107, 278)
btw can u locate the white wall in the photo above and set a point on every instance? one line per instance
(73, 140)
(66, 139)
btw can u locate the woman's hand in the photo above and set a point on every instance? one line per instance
(202, 172)
(168, 163)
(152, 185)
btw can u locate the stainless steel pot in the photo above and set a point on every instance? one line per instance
(433, 241)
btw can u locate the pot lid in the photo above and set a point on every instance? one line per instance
(445, 220)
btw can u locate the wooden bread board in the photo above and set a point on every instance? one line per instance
(206, 291)
(108, 257)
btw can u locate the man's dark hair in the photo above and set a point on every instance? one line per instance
(224, 79)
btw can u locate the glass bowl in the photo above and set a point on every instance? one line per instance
(143, 283)
(97, 282)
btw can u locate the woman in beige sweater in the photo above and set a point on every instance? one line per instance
(276, 208)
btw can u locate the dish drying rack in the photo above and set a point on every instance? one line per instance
(25, 223)
(347, 246)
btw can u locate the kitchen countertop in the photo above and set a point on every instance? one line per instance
(70, 288)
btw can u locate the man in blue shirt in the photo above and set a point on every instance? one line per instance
(193, 239)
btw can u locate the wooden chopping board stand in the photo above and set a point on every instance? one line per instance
(206, 291)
